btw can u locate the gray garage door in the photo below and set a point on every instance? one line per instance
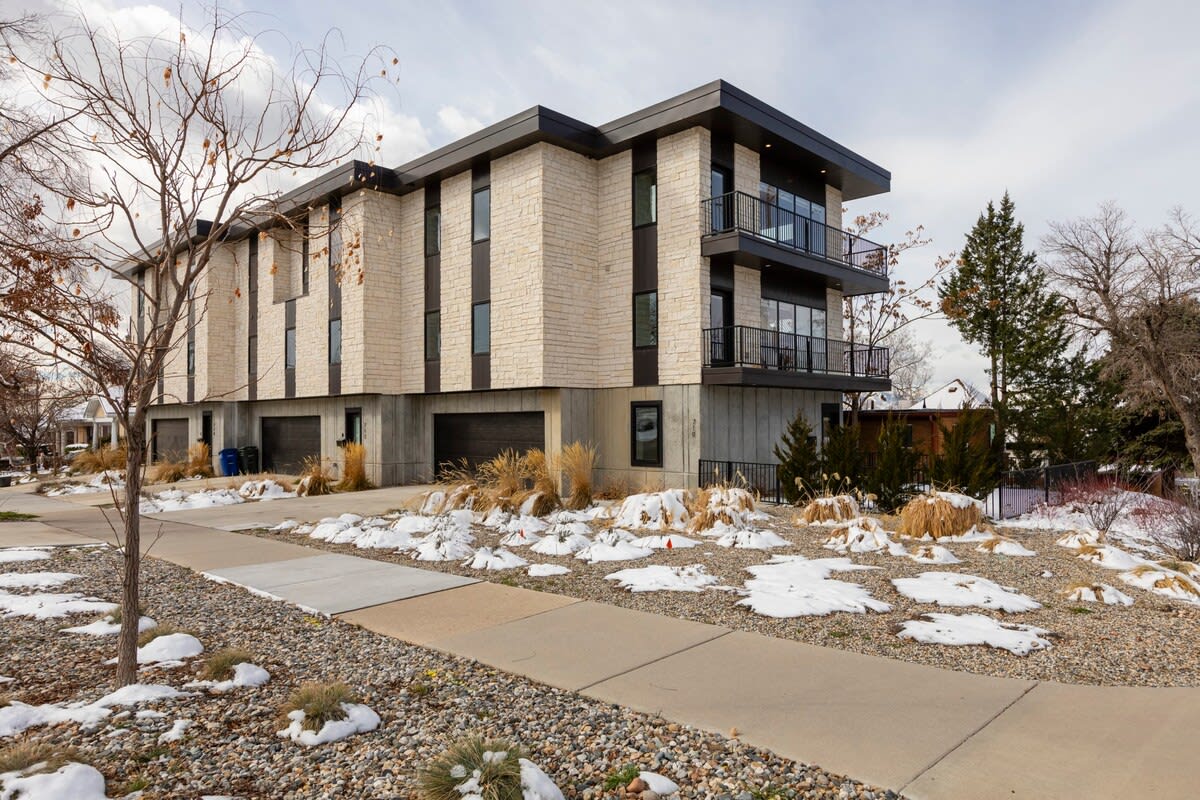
(478, 437)
(287, 441)
(169, 439)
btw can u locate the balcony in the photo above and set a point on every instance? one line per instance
(742, 356)
(752, 232)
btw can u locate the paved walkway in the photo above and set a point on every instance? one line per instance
(927, 732)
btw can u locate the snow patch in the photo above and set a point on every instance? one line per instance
(863, 535)
(620, 551)
(171, 647)
(959, 630)
(71, 781)
(15, 554)
(18, 716)
(498, 559)
(359, 719)
(668, 542)
(35, 580)
(661, 578)
(1098, 593)
(656, 510)
(932, 554)
(1003, 546)
(176, 732)
(957, 590)
(535, 784)
(245, 675)
(546, 570)
(795, 586)
(106, 627)
(750, 539)
(48, 606)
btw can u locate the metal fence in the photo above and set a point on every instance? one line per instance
(762, 479)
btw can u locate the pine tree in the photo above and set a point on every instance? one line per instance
(842, 455)
(997, 298)
(894, 467)
(797, 454)
(965, 463)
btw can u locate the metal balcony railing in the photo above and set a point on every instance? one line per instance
(759, 348)
(745, 213)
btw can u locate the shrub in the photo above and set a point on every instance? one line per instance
(1175, 527)
(320, 702)
(894, 468)
(23, 755)
(1101, 500)
(199, 461)
(939, 516)
(314, 478)
(619, 779)
(842, 454)
(797, 454)
(577, 461)
(219, 666)
(497, 761)
(168, 471)
(99, 460)
(966, 462)
(502, 480)
(354, 474)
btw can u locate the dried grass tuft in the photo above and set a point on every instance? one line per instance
(314, 478)
(991, 544)
(167, 472)
(502, 481)
(540, 469)
(578, 461)
(718, 504)
(616, 487)
(148, 636)
(199, 460)
(320, 702)
(839, 508)
(219, 666)
(101, 459)
(354, 473)
(497, 762)
(937, 516)
(21, 756)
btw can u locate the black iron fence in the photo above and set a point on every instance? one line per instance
(745, 213)
(742, 346)
(762, 479)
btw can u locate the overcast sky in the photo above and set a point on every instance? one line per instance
(1063, 104)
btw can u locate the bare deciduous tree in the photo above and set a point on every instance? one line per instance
(33, 401)
(1141, 291)
(181, 140)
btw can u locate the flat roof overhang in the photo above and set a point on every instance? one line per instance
(787, 379)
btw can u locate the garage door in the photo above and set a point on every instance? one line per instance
(478, 437)
(287, 441)
(169, 439)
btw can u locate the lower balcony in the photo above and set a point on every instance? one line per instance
(742, 356)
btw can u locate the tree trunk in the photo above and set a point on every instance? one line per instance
(131, 573)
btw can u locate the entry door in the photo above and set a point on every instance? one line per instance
(722, 201)
(354, 425)
(720, 311)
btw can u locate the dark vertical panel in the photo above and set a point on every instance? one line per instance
(481, 282)
(481, 271)
(644, 264)
(252, 318)
(335, 292)
(289, 373)
(722, 150)
(645, 258)
(481, 371)
(433, 283)
(645, 366)
(433, 289)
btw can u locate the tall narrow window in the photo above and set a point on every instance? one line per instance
(481, 329)
(433, 231)
(645, 319)
(433, 335)
(191, 358)
(289, 348)
(645, 198)
(335, 234)
(335, 341)
(252, 263)
(304, 258)
(252, 356)
(645, 424)
(481, 215)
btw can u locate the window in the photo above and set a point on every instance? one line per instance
(481, 329)
(335, 341)
(304, 257)
(645, 198)
(645, 319)
(785, 317)
(645, 434)
(191, 358)
(433, 231)
(335, 234)
(252, 263)
(354, 425)
(791, 219)
(433, 335)
(481, 215)
(289, 348)
(252, 356)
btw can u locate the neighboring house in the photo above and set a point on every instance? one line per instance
(92, 423)
(667, 286)
(922, 418)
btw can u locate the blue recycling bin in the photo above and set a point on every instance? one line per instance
(229, 462)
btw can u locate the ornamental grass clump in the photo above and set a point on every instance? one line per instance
(502, 481)
(219, 666)
(314, 478)
(719, 504)
(543, 497)
(578, 462)
(199, 463)
(20, 757)
(320, 702)
(148, 636)
(168, 471)
(354, 473)
(940, 514)
(98, 460)
(474, 767)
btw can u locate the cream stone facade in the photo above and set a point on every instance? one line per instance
(558, 272)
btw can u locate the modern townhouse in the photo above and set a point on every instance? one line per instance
(667, 286)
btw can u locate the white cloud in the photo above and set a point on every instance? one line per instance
(456, 123)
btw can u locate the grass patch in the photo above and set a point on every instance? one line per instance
(200, 460)
(503, 480)
(89, 462)
(152, 754)
(132, 785)
(117, 615)
(168, 472)
(23, 755)
(314, 478)
(620, 778)
(498, 762)
(838, 508)
(839, 634)
(578, 462)
(219, 666)
(1080, 610)
(419, 689)
(320, 702)
(354, 472)
(161, 630)
(934, 514)
(15, 516)
(539, 468)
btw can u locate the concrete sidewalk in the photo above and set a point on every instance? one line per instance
(927, 732)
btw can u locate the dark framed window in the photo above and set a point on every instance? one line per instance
(645, 198)
(191, 358)
(481, 215)
(335, 234)
(433, 335)
(289, 348)
(354, 431)
(433, 231)
(645, 319)
(252, 263)
(645, 434)
(481, 329)
(304, 259)
(335, 341)
(252, 356)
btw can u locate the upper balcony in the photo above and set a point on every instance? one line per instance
(745, 356)
(750, 231)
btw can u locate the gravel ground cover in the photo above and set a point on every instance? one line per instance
(1093, 643)
(426, 701)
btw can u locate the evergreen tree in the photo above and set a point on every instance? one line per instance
(997, 298)
(894, 467)
(797, 454)
(965, 463)
(842, 456)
